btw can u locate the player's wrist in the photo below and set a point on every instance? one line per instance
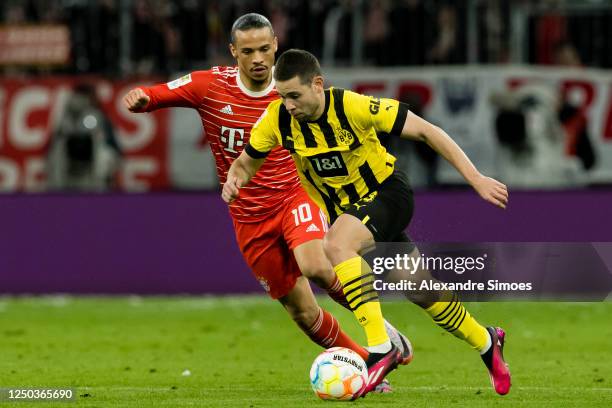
(474, 178)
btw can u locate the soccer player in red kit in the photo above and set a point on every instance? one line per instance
(278, 228)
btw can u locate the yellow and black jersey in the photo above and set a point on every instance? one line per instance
(339, 157)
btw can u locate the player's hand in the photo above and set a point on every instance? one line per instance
(492, 191)
(135, 100)
(231, 189)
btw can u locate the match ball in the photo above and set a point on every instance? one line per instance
(338, 374)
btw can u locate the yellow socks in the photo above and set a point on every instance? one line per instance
(454, 318)
(357, 279)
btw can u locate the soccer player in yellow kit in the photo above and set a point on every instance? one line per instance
(331, 135)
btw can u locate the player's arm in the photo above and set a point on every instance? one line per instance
(187, 91)
(417, 128)
(240, 173)
(391, 116)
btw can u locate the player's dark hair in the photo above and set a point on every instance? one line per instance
(250, 21)
(298, 63)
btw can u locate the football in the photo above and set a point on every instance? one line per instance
(338, 373)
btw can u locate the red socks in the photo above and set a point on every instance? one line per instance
(336, 292)
(326, 332)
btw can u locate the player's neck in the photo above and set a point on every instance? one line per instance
(321, 108)
(254, 86)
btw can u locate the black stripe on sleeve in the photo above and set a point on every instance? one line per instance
(400, 119)
(254, 153)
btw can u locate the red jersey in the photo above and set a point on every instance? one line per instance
(228, 111)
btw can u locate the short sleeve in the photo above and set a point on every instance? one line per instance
(263, 136)
(383, 114)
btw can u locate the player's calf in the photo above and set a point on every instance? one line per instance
(318, 324)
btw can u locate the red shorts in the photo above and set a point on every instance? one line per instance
(267, 245)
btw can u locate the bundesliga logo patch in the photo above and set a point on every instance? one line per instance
(184, 80)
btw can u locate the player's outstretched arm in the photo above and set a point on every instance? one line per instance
(136, 100)
(240, 173)
(491, 190)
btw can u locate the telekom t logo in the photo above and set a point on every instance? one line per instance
(232, 138)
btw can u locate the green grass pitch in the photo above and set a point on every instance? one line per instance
(245, 352)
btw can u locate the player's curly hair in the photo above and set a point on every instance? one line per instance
(298, 63)
(249, 21)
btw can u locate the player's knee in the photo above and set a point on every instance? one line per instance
(334, 248)
(317, 269)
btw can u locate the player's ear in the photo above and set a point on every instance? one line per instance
(318, 83)
(233, 50)
(275, 44)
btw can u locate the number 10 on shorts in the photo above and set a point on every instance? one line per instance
(302, 214)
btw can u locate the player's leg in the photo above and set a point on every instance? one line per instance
(318, 324)
(448, 312)
(304, 228)
(443, 307)
(344, 241)
(296, 229)
(274, 266)
(378, 217)
(312, 262)
(316, 267)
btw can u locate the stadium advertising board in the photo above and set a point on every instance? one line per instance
(30, 110)
(166, 149)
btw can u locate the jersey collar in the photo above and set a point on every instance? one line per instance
(254, 94)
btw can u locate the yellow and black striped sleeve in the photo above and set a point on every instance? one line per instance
(383, 114)
(263, 135)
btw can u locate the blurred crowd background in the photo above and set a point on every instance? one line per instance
(162, 36)
(65, 64)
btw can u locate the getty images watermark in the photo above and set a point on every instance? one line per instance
(556, 271)
(416, 265)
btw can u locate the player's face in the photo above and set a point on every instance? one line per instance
(303, 101)
(254, 51)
